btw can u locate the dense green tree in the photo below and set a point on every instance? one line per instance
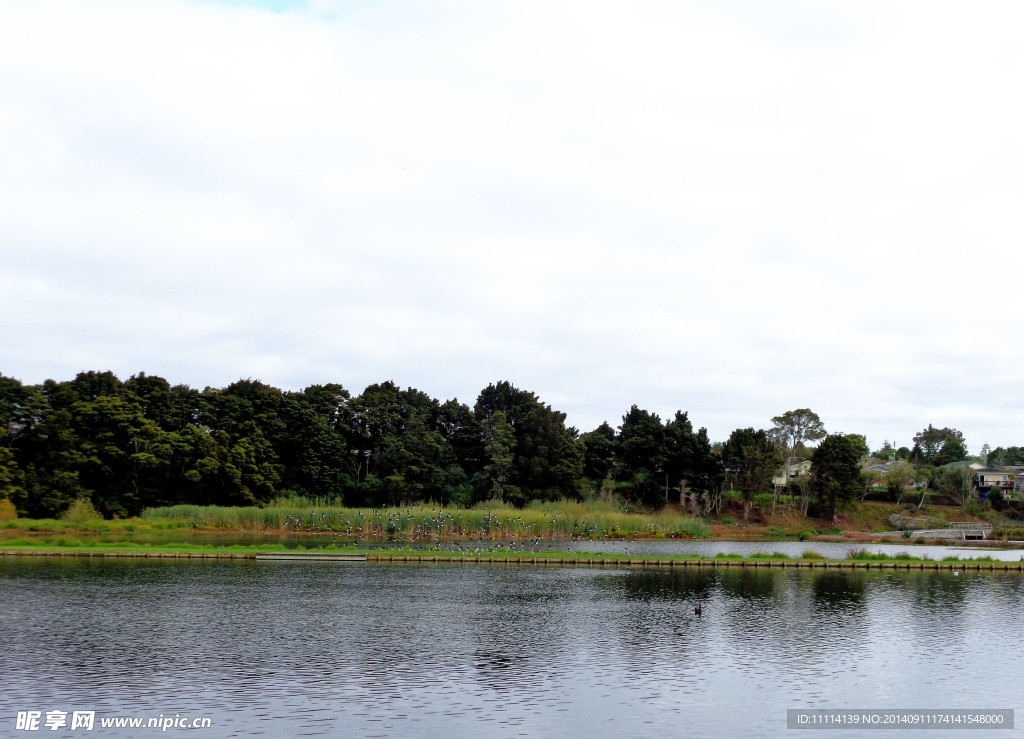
(47, 450)
(141, 442)
(505, 397)
(928, 443)
(422, 458)
(886, 453)
(952, 451)
(708, 471)
(89, 386)
(398, 437)
(794, 428)
(548, 458)
(860, 441)
(12, 480)
(499, 446)
(373, 416)
(599, 452)
(690, 465)
(751, 459)
(899, 475)
(123, 454)
(835, 472)
(1010, 456)
(641, 441)
(956, 482)
(461, 431)
(680, 452)
(13, 399)
(313, 455)
(156, 402)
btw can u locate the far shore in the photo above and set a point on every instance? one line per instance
(487, 524)
(758, 534)
(859, 560)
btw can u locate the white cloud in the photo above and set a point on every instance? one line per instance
(732, 208)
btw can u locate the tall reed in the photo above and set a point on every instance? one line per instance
(553, 521)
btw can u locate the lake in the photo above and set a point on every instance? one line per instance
(363, 649)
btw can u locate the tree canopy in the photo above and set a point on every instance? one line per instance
(835, 472)
(794, 428)
(929, 442)
(751, 460)
(126, 445)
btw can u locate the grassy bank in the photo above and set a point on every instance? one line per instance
(559, 521)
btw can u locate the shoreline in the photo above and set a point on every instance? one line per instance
(880, 562)
(764, 537)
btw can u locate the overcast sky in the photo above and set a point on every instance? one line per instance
(726, 207)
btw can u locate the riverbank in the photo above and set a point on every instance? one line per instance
(553, 522)
(857, 560)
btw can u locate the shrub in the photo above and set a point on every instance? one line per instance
(82, 511)
(812, 555)
(7, 510)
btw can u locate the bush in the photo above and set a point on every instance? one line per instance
(82, 511)
(7, 510)
(1010, 531)
(973, 508)
(812, 555)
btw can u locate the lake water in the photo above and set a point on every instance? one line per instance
(361, 649)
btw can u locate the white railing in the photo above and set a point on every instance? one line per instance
(938, 533)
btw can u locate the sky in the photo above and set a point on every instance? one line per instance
(732, 208)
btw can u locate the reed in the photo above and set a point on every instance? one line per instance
(560, 520)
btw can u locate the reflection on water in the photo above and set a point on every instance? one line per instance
(306, 649)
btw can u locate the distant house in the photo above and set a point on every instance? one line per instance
(987, 478)
(1016, 473)
(881, 468)
(792, 471)
(880, 475)
(990, 477)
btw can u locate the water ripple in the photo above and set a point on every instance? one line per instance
(389, 650)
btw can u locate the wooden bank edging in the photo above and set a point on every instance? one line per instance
(538, 561)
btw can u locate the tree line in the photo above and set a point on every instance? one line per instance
(142, 442)
(127, 445)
